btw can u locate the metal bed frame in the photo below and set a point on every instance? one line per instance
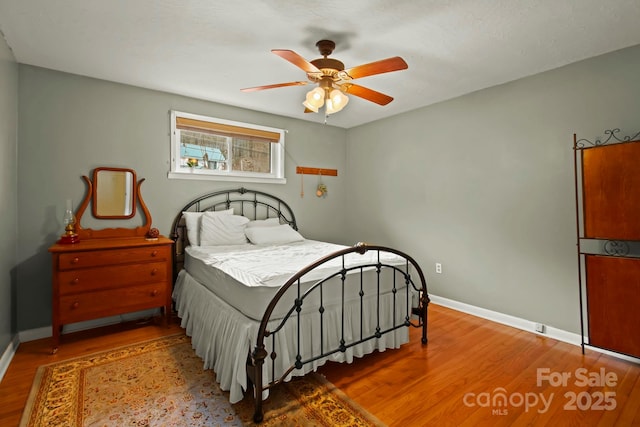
(260, 205)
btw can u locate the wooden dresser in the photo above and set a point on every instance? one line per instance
(103, 277)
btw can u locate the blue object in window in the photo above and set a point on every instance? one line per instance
(198, 151)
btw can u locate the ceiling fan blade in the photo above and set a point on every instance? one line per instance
(379, 67)
(296, 60)
(366, 93)
(253, 89)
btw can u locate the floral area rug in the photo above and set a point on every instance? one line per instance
(161, 383)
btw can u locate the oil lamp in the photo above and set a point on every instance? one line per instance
(69, 221)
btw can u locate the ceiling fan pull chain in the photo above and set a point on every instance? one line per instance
(302, 185)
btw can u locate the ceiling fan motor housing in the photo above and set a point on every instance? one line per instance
(328, 66)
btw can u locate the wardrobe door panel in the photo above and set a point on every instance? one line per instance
(611, 191)
(613, 289)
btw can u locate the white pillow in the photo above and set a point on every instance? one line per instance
(192, 221)
(269, 222)
(218, 230)
(273, 235)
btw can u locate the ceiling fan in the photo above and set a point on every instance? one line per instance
(334, 82)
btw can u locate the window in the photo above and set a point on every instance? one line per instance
(210, 148)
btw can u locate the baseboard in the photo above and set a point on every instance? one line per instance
(46, 332)
(505, 319)
(34, 334)
(7, 356)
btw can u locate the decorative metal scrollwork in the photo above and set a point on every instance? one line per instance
(611, 138)
(616, 248)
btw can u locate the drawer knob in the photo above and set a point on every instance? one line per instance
(154, 253)
(75, 260)
(154, 293)
(75, 305)
(154, 271)
(75, 281)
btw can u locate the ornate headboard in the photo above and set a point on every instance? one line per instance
(249, 203)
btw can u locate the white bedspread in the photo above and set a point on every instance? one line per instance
(247, 277)
(255, 265)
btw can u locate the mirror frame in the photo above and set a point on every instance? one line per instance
(89, 233)
(96, 186)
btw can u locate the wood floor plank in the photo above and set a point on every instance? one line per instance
(630, 410)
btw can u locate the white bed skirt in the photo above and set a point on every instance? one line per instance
(223, 337)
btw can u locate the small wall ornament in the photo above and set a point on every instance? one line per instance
(321, 191)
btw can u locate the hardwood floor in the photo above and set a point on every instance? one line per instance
(457, 379)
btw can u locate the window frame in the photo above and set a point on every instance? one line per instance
(277, 176)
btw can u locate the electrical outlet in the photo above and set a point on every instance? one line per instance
(540, 328)
(438, 268)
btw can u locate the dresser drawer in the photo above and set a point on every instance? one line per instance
(116, 276)
(79, 307)
(108, 276)
(74, 260)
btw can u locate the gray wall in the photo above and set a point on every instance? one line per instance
(8, 191)
(71, 124)
(484, 184)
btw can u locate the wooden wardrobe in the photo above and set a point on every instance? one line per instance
(607, 179)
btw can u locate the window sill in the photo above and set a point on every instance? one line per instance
(228, 178)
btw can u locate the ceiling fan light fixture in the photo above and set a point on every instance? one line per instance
(315, 99)
(310, 107)
(336, 101)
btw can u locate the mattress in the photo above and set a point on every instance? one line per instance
(248, 276)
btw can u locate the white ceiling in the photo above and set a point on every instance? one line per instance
(211, 49)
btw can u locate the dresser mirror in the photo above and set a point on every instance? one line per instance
(114, 194)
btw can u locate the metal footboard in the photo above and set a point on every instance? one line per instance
(406, 311)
